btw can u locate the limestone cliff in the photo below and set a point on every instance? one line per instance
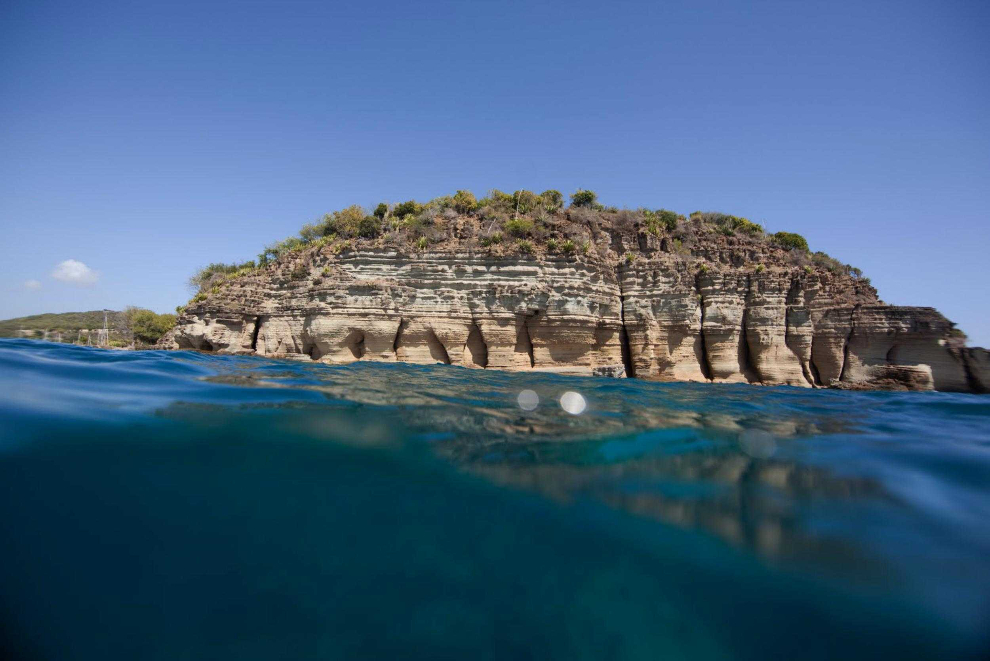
(630, 303)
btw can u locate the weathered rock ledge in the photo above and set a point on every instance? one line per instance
(657, 316)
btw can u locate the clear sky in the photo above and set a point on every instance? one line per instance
(142, 139)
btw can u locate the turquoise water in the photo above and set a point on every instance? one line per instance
(188, 506)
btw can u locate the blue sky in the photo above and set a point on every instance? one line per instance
(144, 140)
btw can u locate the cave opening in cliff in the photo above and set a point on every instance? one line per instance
(626, 352)
(397, 342)
(254, 335)
(524, 341)
(355, 342)
(746, 366)
(701, 344)
(437, 350)
(476, 347)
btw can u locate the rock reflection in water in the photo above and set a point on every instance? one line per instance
(699, 458)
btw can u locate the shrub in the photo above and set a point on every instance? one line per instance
(703, 268)
(276, 250)
(668, 219)
(498, 201)
(552, 200)
(524, 201)
(198, 298)
(586, 247)
(651, 221)
(744, 225)
(827, 262)
(519, 227)
(464, 201)
(324, 241)
(568, 246)
(146, 326)
(381, 211)
(584, 198)
(410, 208)
(212, 273)
(422, 243)
(626, 219)
(728, 224)
(491, 239)
(790, 241)
(552, 244)
(369, 227)
(310, 232)
(323, 227)
(347, 221)
(417, 226)
(630, 258)
(525, 246)
(299, 271)
(808, 269)
(661, 219)
(441, 203)
(760, 268)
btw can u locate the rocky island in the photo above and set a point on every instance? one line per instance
(522, 282)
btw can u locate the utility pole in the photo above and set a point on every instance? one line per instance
(105, 335)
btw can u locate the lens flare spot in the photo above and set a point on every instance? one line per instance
(573, 402)
(528, 400)
(757, 443)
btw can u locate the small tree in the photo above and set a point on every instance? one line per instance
(584, 198)
(524, 201)
(410, 208)
(518, 227)
(311, 232)
(381, 211)
(146, 326)
(465, 201)
(552, 199)
(667, 219)
(369, 227)
(790, 240)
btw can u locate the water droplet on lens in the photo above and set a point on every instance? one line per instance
(573, 402)
(528, 400)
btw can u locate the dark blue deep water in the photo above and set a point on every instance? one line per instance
(187, 506)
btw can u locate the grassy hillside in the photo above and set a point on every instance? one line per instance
(133, 326)
(64, 322)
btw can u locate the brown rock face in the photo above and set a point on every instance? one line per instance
(660, 316)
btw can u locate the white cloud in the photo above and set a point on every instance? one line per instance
(75, 272)
(32, 284)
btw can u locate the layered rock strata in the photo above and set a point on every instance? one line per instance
(659, 316)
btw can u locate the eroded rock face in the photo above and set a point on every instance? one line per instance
(662, 317)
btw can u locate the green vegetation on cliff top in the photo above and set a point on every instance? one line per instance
(522, 221)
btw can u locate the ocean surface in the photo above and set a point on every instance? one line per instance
(177, 505)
